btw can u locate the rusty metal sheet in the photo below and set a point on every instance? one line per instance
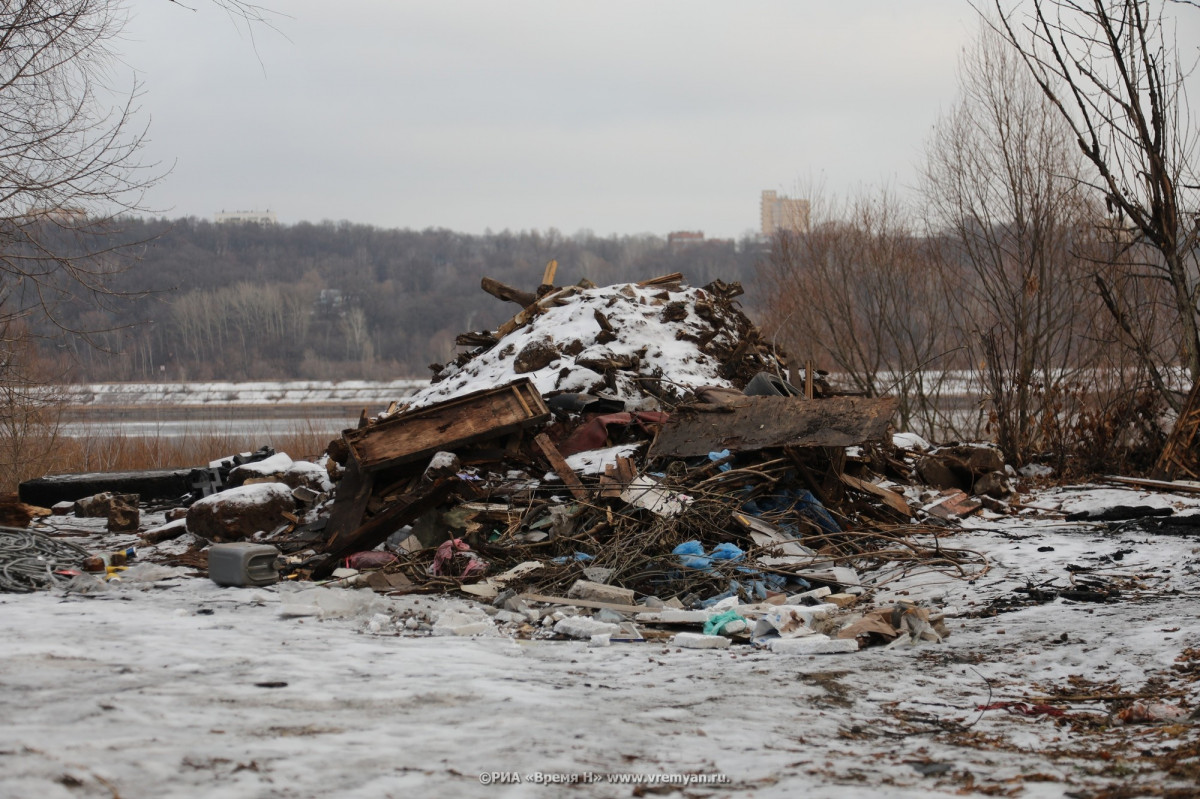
(755, 423)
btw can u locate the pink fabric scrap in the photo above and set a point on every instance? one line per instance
(454, 558)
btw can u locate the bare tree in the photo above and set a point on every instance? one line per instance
(68, 157)
(1111, 72)
(1000, 180)
(859, 293)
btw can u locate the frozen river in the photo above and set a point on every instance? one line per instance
(174, 410)
(179, 428)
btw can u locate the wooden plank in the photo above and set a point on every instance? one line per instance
(559, 464)
(425, 497)
(754, 423)
(893, 500)
(533, 310)
(1157, 485)
(548, 275)
(617, 478)
(507, 293)
(661, 280)
(447, 426)
(585, 603)
(956, 503)
(349, 501)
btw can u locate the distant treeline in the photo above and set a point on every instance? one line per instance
(337, 300)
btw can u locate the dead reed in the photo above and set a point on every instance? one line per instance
(48, 451)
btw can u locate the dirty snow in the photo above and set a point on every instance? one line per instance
(634, 313)
(166, 685)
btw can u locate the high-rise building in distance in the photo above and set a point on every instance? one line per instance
(783, 213)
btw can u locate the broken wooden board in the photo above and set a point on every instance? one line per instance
(543, 303)
(662, 280)
(1157, 485)
(507, 293)
(617, 477)
(449, 425)
(491, 587)
(890, 498)
(955, 504)
(754, 423)
(349, 501)
(425, 497)
(591, 604)
(560, 467)
(765, 534)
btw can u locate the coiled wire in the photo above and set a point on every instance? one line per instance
(28, 559)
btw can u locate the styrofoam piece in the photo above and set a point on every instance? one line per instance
(812, 645)
(700, 641)
(585, 627)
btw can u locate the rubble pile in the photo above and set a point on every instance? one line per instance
(657, 339)
(610, 459)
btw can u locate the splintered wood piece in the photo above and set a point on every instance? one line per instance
(674, 277)
(956, 503)
(534, 309)
(447, 426)
(425, 497)
(617, 478)
(507, 293)
(548, 275)
(559, 464)
(891, 498)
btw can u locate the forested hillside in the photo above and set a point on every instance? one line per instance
(339, 300)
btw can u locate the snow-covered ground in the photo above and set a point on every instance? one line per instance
(166, 685)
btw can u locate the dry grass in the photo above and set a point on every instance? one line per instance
(52, 453)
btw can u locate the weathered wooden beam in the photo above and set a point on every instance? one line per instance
(507, 293)
(585, 603)
(450, 425)
(559, 464)
(554, 297)
(890, 498)
(349, 501)
(754, 423)
(1157, 485)
(149, 485)
(434, 487)
(548, 277)
(662, 280)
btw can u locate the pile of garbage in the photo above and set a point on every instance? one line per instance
(615, 463)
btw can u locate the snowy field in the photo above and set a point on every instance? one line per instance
(166, 685)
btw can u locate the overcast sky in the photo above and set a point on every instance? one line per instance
(616, 116)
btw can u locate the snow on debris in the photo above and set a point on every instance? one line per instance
(673, 337)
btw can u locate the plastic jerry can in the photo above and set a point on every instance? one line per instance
(243, 563)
